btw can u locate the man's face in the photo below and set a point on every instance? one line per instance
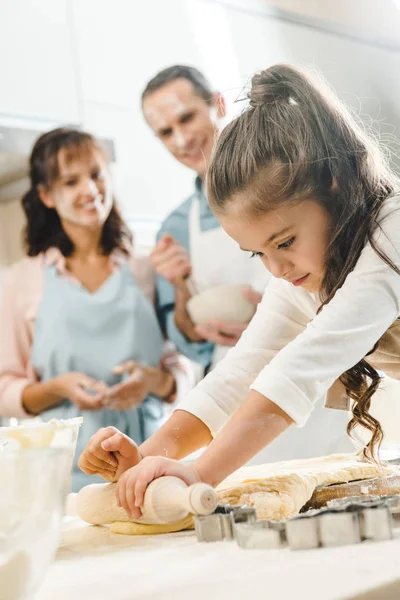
(185, 123)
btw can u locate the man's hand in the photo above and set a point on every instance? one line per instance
(220, 332)
(223, 333)
(252, 296)
(170, 260)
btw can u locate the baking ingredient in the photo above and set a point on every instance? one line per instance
(222, 303)
(129, 528)
(276, 490)
(279, 490)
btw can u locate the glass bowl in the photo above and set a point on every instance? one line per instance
(33, 490)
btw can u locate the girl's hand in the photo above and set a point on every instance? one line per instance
(133, 483)
(109, 453)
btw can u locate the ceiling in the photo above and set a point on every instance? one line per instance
(373, 20)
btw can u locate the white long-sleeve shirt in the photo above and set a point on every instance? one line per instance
(292, 355)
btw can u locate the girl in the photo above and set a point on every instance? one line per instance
(297, 183)
(78, 333)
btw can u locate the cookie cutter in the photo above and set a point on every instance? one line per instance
(260, 534)
(221, 524)
(345, 521)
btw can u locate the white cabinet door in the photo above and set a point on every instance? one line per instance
(37, 72)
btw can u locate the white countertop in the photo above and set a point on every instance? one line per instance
(93, 564)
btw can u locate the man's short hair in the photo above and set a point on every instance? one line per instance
(200, 84)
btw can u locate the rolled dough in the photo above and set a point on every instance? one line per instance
(141, 529)
(277, 490)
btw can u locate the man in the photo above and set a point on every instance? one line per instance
(183, 111)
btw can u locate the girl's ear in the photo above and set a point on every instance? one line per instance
(46, 197)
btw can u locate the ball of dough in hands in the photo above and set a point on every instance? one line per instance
(223, 303)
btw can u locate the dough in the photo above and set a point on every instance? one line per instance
(279, 490)
(276, 490)
(142, 529)
(222, 303)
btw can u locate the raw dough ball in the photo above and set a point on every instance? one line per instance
(222, 303)
(97, 504)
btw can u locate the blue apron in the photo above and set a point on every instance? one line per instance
(77, 330)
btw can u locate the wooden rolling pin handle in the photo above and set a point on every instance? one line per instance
(202, 499)
(168, 499)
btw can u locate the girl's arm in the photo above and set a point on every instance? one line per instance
(210, 405)
(181, 435)
(257, 423)
(254, 425)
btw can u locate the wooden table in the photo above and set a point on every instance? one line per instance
(93, 564)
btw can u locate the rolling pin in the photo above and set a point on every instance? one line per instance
(167, 500)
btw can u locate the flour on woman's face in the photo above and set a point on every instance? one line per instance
(82, 192)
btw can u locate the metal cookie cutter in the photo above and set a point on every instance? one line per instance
(221, 524)
(260, 534)
(345, 521)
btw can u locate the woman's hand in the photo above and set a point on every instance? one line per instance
(109, 453)
(132, 391)
(141, 382)
(77, 387)
(133, 483)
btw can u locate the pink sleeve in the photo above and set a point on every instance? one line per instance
(20, 298)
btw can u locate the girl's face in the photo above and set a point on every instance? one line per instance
(291, 241)
(82, 192)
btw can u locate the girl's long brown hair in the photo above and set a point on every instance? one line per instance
(297, 141)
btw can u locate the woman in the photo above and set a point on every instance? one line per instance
(295, 181)
(79, 334)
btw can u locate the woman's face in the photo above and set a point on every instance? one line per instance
(82, 192)
(291, 241)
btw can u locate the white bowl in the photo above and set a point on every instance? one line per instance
(222, 303)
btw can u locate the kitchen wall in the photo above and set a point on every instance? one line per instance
(86, 61)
